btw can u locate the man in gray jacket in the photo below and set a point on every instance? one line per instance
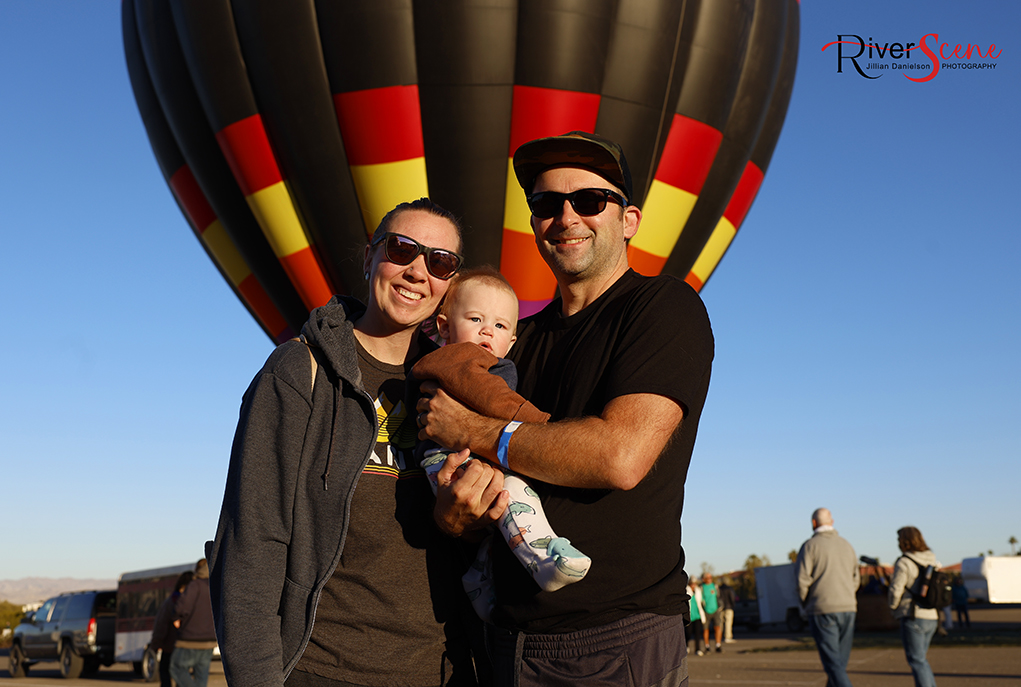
(828, 578)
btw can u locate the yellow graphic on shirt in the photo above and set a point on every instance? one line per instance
(389, 416)
(395, 440)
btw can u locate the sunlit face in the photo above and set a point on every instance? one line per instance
(483, 314)
(402, 297)
(577, 246)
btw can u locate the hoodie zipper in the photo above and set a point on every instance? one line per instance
(318, 591)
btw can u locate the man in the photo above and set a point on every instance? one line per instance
(622, 363)
(196, 634)
(713, 612)
(828, 578)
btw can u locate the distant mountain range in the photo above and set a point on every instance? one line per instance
(37, 589)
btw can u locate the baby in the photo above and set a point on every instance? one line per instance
(477, 320)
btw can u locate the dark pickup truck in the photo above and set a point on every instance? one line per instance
(75, 628)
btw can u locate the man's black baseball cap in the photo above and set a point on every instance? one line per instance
(573, 149)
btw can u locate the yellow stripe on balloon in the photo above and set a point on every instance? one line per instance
(225, 253)
(382, 187)
(664, 214)
(516, 215)
(714, 249)
(276, 215)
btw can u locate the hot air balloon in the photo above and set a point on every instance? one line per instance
(287, 130)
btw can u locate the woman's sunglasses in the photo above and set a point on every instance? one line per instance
(401, 250)
(586, 201)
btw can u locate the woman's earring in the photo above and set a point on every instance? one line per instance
(366, 276)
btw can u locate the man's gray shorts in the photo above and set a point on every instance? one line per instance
(643, 650)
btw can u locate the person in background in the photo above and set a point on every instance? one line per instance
(727, 598)
(946, 621)
(917, 625)
(196, 635)
(697, 613)
(164, 630)
(713, 612)
(828, 578)
(959, 600)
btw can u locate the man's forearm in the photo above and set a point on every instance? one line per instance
(582, 452)
(566, 453)
(589, 453)
(613, 451)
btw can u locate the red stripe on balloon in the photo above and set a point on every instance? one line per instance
(258, 299)
(689, 153)
(537, 113)
(186, 188)
(201, 215)
(644, 262)
(304, 261)
(694, 281)
(380, 125)
(540, 112)
(524, 268)
(246, 147)
(744, 194)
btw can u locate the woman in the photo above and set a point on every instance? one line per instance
(319, 567)
(917, 625)
(697, 613)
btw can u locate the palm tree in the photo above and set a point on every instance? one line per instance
(1013, 545)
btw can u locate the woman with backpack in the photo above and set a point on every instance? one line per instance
(917, 624)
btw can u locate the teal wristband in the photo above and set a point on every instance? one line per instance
(505, 437)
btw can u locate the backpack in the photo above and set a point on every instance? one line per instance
(934, 588)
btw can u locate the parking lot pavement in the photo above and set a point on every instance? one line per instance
(756, 659)
(774, 658)
(972, 666)
(47, 674)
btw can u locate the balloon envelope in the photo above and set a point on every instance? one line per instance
(287, 130)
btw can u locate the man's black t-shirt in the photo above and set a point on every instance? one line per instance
(644, 335)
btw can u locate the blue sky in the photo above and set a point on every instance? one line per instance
(867, 317)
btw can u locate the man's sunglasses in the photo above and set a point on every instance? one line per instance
(586, 201)
(401, 250)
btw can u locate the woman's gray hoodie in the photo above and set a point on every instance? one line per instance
(294, 464)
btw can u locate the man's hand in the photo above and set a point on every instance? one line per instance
(469, 496)
(448, 422)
